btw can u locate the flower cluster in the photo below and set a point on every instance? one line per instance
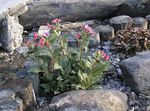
(64, 68)
(104, 55)
(56, 21)
(88, 30)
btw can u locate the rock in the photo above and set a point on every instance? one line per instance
(134, 8)
(10, 29)
(90, 100)
(44, 29)
(106, 32)
(41, 11)
(23, 50)
(139, 22)
(72, 42)
(23, 89)
(7, 94)
(11, 105)
(136, 72)
(26, 92)
(94, 41)
(22, 73)
(121, 22)
(75, 25)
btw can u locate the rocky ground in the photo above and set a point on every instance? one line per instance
(11, 63)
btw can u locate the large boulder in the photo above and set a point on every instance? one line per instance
(10, 29)
(41, 11)
(134, 8)
(90, 100)
(136, 72)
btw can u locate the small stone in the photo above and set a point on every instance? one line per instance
(22, 50)
(43, 29)
(75, 25)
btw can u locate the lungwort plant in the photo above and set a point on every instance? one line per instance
(63, 68)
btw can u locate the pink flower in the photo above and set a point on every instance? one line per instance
(28, 43)
(78, 36)
(56, 21)
(50, 26)
(41, 42)
(104, 55)
(35, 35)
(46, 44)
(107, 58)
(89, 30)
(46, 34)
(36, 45)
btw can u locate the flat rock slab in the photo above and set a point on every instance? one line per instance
(136, 72)
(90, 100)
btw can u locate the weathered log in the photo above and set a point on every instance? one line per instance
(148, 19)
(121, 22)
(139, 22)
(106, 32)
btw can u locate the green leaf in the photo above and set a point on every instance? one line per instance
(46, 87)
(43, 52)
(35, 69)
(57, 66)
(60, 78)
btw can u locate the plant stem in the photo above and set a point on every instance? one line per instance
(81, 49)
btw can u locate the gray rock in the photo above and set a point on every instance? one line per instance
(23, 50)
(90, 100)
(68, 10)
(10, 29)
(11, 105)
(7, 94)
(134, 8)
(136, 72)
(43, 29)
(75, 25)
